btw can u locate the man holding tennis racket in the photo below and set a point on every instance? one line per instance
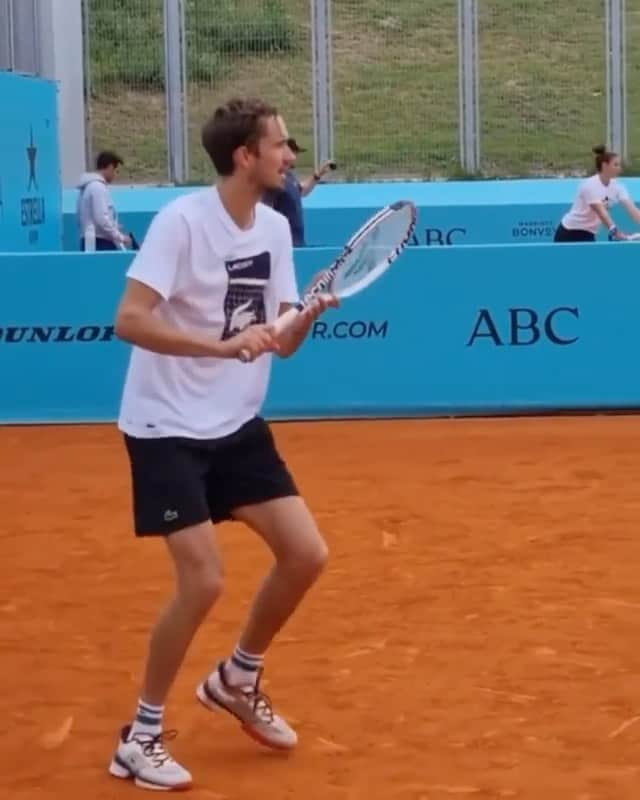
(214, 272)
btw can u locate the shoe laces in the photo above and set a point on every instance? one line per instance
(260, 702)
(153, 746)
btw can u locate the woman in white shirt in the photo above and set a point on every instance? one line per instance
(595, 197)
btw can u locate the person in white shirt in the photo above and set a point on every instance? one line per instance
(214, 271)
(95, 205)
(596, 195)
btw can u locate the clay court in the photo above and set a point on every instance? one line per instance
(476, 633)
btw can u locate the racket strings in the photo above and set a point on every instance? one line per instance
(368, 253)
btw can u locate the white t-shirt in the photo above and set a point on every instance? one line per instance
(581, 216)
(217, 279)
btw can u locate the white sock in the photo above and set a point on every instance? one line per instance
(242, 669)
(148, 719)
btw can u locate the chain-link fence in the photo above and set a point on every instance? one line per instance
(124, 74)
(19, 41)
(395, 87)
(633, 76)
(542, 85)
(248, 47)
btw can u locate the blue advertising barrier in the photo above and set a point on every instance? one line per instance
(30, 183)
(450, 213)
(456, 330)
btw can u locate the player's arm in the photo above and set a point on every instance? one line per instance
(137, 324)
(606, 219)
(306, 187)
(603, 214)
(592, 198)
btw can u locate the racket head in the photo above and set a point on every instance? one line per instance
(372, 249)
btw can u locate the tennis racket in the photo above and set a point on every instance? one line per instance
(366, 256)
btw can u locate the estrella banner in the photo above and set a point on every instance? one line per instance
(30, 183)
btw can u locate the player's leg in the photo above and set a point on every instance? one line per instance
(272, 507)
(300, 552)
(198, 585)
(288, 528)
(169, 500)
(141, 753)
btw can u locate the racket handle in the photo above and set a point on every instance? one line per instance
(284, 320)
(279, 326)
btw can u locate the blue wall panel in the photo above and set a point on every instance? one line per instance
(445, 331)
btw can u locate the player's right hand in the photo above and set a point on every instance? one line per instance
(250, 343)
(616, 235)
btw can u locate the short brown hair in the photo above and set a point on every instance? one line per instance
(237, 123)
(603, 156)
(107, 158)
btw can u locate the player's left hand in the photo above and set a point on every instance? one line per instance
(317, 306)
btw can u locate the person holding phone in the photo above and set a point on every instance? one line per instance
(288, 200)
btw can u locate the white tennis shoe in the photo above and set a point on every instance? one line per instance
(250, 706)
(144, 759)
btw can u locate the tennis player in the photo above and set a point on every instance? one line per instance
(215, 270)
(595, 197)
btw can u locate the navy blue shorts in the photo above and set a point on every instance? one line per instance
(178, 482)
(563, 234)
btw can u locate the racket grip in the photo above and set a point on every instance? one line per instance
(279, 326)
(284, 320)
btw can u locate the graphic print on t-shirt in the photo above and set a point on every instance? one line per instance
(244, 303)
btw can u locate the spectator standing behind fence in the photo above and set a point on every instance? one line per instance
(96, 212)
(288, 200)
(595, 197)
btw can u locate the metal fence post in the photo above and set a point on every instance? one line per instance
(616, 54)
(175, 65)
(25, 33)
(88, 90)
(7, 58)
(322, 79)
(468, 85)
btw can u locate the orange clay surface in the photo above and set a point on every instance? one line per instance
(476, 634)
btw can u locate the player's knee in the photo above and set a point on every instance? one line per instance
(309, 561)
(320, 557)
(202, 587)
(210, 588)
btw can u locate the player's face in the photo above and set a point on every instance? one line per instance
(613, 168)
(274, 155)
(110, 173)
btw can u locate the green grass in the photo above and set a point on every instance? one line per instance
(395, 66)
(127, 39)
